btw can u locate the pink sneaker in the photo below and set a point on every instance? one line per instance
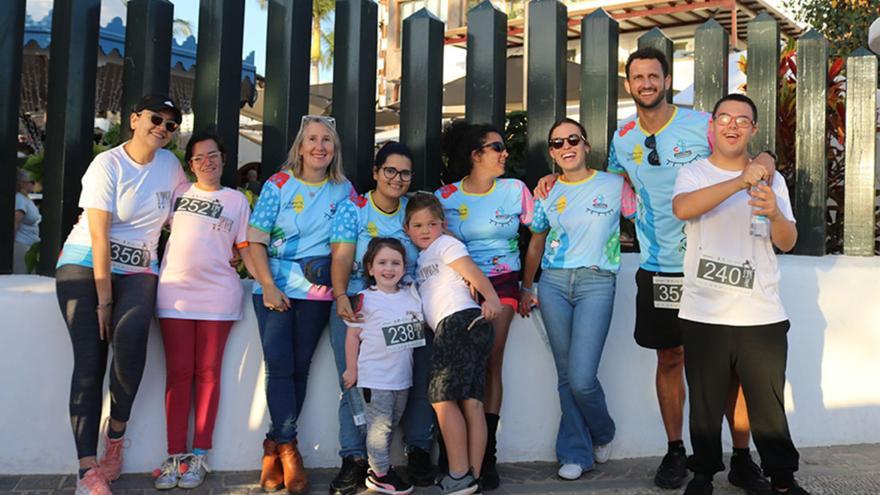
(111, 462)
(94, 482)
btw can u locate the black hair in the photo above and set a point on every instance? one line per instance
(386, 150)
(648, 53)
(566, 120)
(740, 98)
(373, 248)
(460, 139)
(421, 201)
(203, 135)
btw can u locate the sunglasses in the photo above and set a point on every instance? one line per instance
(496, 146)
(725, 119)
(390, 173)
(572, 139)
(651, 144)
(307, 119)
(157, 120)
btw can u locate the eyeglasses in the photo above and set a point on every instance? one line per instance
(651, 144)
(496, 146)
(213, 156)
(572, 139)
(307, 119)
(741, 120)
(157, 120)
(390, 173)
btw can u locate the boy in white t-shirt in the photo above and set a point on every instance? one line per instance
(379, 357)
(732, 317)
(463, 338)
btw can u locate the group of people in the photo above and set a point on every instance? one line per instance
(419, 292)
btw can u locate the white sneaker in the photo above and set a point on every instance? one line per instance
(601, 453)
(195, 472)
(570, 471)
(167, 476)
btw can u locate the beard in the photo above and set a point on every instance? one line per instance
(649, 104)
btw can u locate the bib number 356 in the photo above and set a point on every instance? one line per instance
(129, 256)
(667, 292)
(403, 334)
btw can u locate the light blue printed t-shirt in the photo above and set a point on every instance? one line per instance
(357, 222)
(583, 219)
(683, 140)
(488, 223)
(296, 215)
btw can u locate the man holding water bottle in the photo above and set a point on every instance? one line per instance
(732, 318)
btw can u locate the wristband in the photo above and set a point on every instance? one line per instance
(337, 296)
(530, 290)
(106, 305)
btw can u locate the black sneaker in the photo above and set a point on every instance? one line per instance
(672, 471)
(745, 474)
(699, 485)
(419, 468)
(391, 484)
(351, 475)
(794, 490)
(489, 479)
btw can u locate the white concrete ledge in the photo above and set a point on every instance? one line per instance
(833, 392)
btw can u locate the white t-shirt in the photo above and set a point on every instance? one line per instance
(139, 199)
(723, 233)
(196, 281)
(29, 230)
(378, 367)
(443, 290)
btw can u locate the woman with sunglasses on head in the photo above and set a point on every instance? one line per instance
(106, 281)
(576, 240)
(289, 236)
(485, 211)
(199, 298)
(378, 213)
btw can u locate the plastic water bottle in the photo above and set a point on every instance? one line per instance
(760, 225)
(356, 403)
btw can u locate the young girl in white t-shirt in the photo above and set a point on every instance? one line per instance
(463, 337)
(378, 354)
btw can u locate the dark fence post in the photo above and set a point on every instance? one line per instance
(147, 69)
(861, 153)
(354, 86)
(286, 96)
(73, 66)
(810, 195)
(710, 65)
(599, 43)
(421, 96)
(655, 38)
(12, 16)
(486, 88)
(762, 78)
(217, 94)
(548, 40)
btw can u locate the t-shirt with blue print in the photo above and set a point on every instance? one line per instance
(488, 223)
(292, 218)
(683, 140)
(358, 221)
(583, 219)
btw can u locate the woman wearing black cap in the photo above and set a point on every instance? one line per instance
(106, 281)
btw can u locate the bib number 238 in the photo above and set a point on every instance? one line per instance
(403, 334)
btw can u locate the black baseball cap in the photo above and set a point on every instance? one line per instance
(157, 103)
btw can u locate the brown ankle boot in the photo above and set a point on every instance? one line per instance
(272, 476)
(295, 478)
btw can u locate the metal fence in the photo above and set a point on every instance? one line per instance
(72, 91)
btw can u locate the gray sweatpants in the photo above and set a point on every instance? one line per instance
(383, 410)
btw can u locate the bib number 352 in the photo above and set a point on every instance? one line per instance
(667, 292)
(403, 334)
(732, 276)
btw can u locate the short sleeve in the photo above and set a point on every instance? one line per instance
(686, 181)
(244, 211)
(613, 164)
(181, 179)
(267, 208)
(628, 201)
(21, 203)
(345, 224)
(540, 223)
(527, 205)
(452, 249)
(99, 185)
(783, 201)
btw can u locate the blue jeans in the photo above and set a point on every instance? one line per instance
(289, 340)
(418, 418)
(576, 309)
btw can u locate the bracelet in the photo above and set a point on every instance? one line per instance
(337, 296)
(528, 289)
(106, 305)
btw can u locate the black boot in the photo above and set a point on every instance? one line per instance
(442, 459)
(419, 468)
(489, 473)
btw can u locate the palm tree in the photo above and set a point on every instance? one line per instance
(322, 41)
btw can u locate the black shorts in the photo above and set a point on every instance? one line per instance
(459, 356)
(656, 328)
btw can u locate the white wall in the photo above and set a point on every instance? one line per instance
(833, 394)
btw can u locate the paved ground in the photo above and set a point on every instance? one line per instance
(851, 469)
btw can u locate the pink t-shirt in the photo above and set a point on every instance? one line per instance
(196, 281)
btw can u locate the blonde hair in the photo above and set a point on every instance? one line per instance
(294, 163)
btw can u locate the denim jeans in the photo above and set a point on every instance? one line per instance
(418, 418)
(289, 340)
(576, 309)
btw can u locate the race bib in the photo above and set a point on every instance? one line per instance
(403, 334)
(209, 209)
(128, 255)
(667, 292)
(732, 276)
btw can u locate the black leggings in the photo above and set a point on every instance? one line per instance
(134, 297)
